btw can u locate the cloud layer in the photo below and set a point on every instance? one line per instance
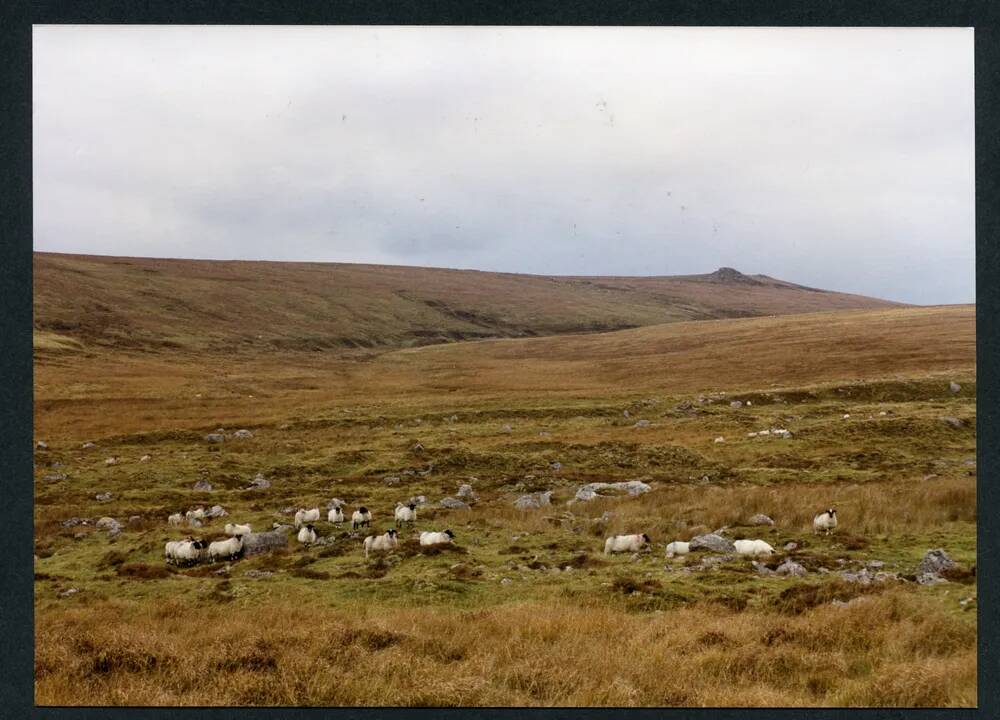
(838, 158)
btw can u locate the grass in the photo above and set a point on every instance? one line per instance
(498, 619)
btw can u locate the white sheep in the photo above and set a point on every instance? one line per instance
(336, 515)
(306, 516)
(361, 517)
(176, 519)
(678, 548)
(307, 535)
(225, 549)
(753, 548)
(625, 543)
(436, 538)
(196, 514)
(233, 529)
(405, 513)
(184, 552)
(381, 543)
(826, 521)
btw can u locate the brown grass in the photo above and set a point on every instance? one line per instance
(892, 649)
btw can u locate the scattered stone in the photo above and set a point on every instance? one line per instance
(203, 485)
(761, 519)
(281, 527)
(713, 542)
(642, 424)
(145, 458)
(852, 601)
(242, 435)
(593, 490)
(954, 387)
(864, 577)
(544, 434)
(215, 437)
(87, 446)
(928, 578)
(334, 503)
(41, 445)
(216, 511)
(417, 447)
(782, 433)
(134, 520)
(557, 466)
(111, 461)
(453, 504)
(720, 439)
(936, 562)
(791, 568)
(761, 568)
(789, 546)
(102, 497)
(74, 521)
(417, 500)
(736, 404)
(391, 480)
(626, 414)
(954, 422)
(507, 428)
(505, 581)
(68, 592)
(258, 543)
(465, 492)
(110, 524)
(259, 483)
(847, 416)
(54, 477)
(874, 564)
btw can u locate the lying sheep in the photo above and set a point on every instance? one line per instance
(176, 519)
(336, 515)
(226, 549)
(625, 543)
(678, 548)
(306, 516)
(826, 521)
(753, 548)
(184, 552)
(233, 529)
(405, 513)
(361, 517)
(307, 535)
(381, 543)
(436, 538)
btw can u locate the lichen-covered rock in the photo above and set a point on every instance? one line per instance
(215, 437)
(534, 500)
(258, 543)
(791, 568)
(603, 489)
(259, 483)
(110, 524)
(216, 511)
(102, 496)
(761, 519)
(936, 562)
(334, 503)
(203, 484)
(466, 493)
(453, 504)
(242, 434)
(954, 387)
(713, 542)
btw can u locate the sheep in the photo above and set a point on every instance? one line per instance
(753, 548)
(176, 519)
(227, 549)
(678, 548)
(336, 515)
(233, 529)
(381, 543)
(307, 535)
(361, 517)
(306, 516)
(436, 538)
(625, 543)
(196, 514)
(183, 552)
(405, 513)
(826, 521)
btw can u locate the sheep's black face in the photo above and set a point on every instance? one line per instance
(412, 507)
(449, 533)
(392, 533)
(832, 511)
(645, 537)
(309, 528)
(362, 510)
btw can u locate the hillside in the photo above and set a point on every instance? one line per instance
(226, 306)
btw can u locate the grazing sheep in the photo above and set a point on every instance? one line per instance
(184, 552)
(381, 543)
(405, 513)
(226, 549)
(306, 516)
(678, 548)
(753, 548)
(196, 514)
(826, 521)
(307, 535)
(336, 515)
(625, 543)
(176, 519)
(436, 538)
(361, 517)
(233, 529)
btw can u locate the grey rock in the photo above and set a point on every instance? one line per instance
(761, 568)
(259, 543)
(69, 592)
(761, 519)
(791, 568)
(215, 437)
(556, 466)
(642, 424)
(874, 564)
(712, 542)
(507, 428)
(216, 511)
(334, 503)
(736, 404)
(453, 504)
(929, 578)
(282, 527)
(391, 480)
(954, 387)
(417, 500)
(203, 485)
(103, 496)
(849, 603)
(111, 461)
(54, 477)
(110, 524)
(74, 521)
(505, 581)
(466, 493)
(534, 500)
(259, 483)
(145, 458)
(936, 562)
(134, 520)
(789, 546)
(954, 422)
(593, 490)
(242, 435)
(417, 447)
(194, 522)
(41, 445)
(87, 446)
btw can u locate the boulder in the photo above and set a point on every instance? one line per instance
(110, 524)
(453, 504)
(936, 562)
(264, 542)
(203, 485)
(954, 422)
(761, 568)
(720, 439)
(466, 493)
(216, 511)
(417, 500)
(242, 435)
(789, 546)
(390, 480)
(930, 579)
(259, 483)
(713, 542)
(602, 489)
(534, 500)
(134, 520)
(761, 519)
(557, 466)
(642, 424)
(736, 404)
(954, 387)
(215, 437)
(103, 496)
(791, 568)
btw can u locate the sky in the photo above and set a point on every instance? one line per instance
(835, 158)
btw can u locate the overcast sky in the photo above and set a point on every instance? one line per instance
(836, 158)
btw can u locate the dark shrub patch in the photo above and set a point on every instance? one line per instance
(799, 598)
(142, 571)
(309, 574)
(628, 585)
